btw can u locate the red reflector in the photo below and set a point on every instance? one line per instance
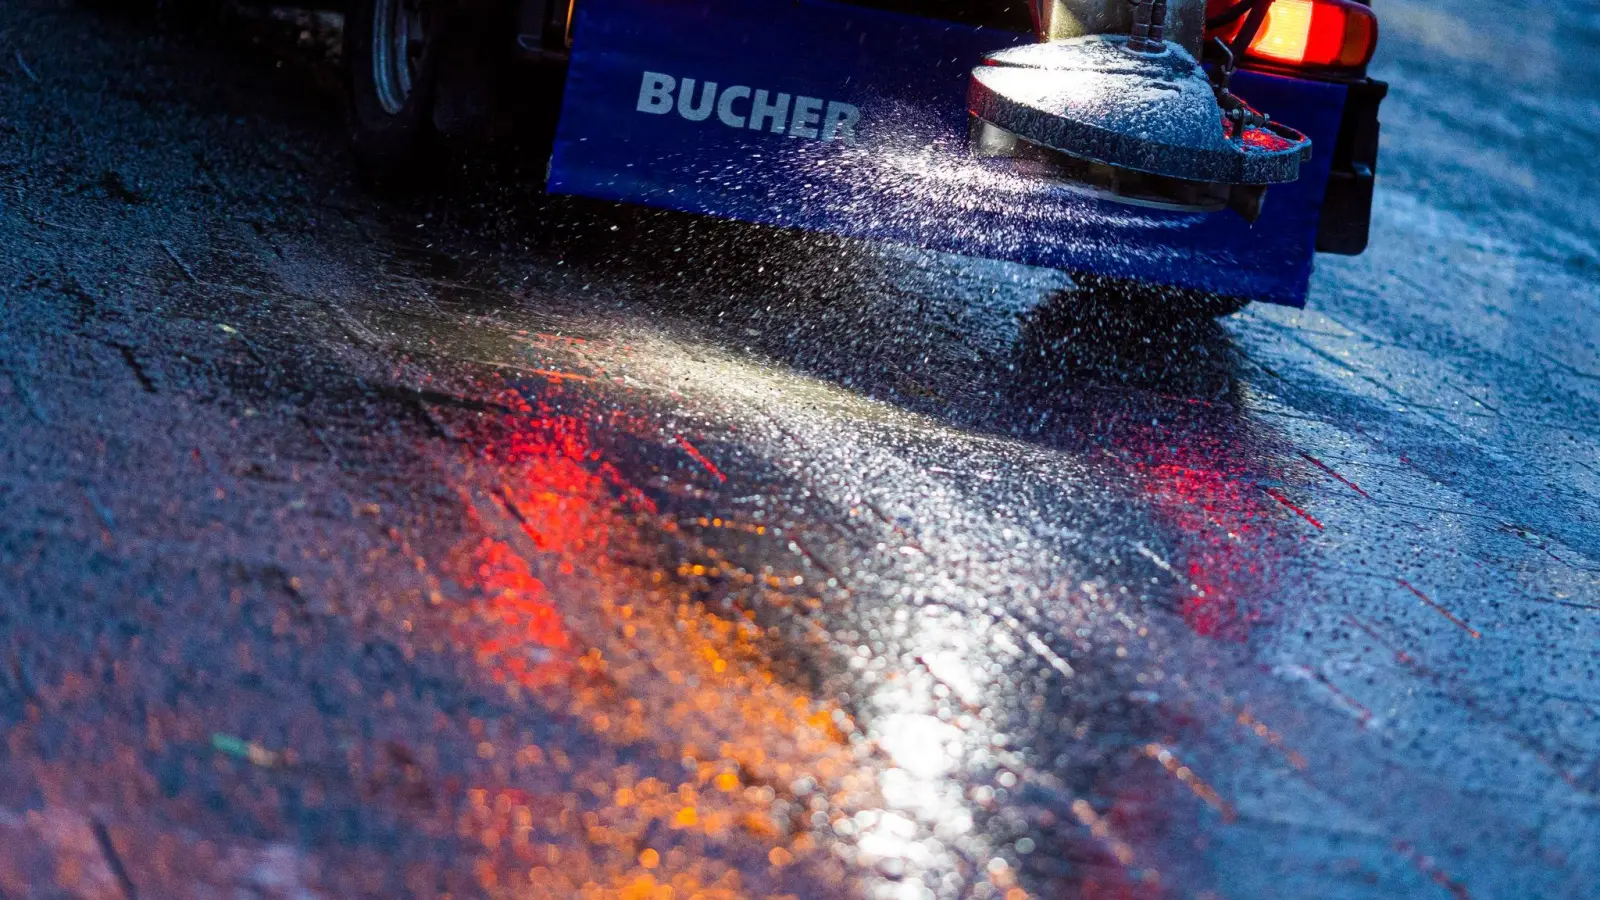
(1321, 34)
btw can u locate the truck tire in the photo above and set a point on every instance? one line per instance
(391, 52)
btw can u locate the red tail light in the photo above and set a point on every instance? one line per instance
(1316, 34)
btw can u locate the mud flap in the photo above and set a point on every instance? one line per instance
(832, 117)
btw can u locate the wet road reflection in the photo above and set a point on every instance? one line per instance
(986, 735)
(488, 545)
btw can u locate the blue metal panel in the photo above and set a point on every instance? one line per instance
(871, 143)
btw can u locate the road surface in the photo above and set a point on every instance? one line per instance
(486, 545)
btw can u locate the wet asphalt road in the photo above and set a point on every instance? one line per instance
(488, 545)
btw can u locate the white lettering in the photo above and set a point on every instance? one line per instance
(702, 110)
(807, 113)
(777, 112)
(655, 93)
(725, 106)
(840, 122)
(762, 111)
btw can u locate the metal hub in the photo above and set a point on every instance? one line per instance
(1148, 111)
(1127, 186)
(399, 31)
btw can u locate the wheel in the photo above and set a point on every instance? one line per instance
(391, 51)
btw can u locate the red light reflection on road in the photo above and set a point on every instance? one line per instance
(1222, 528)
(588, 620)
(522, 625)
(562, 495)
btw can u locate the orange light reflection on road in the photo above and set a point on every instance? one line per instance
(574, 620)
